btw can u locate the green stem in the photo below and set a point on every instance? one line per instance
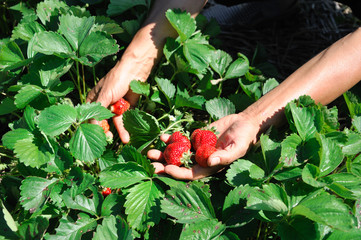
(84, 84)
(78, 81)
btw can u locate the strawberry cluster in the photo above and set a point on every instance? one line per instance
(178, 151)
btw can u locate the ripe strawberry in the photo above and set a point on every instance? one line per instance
(106, 192)
(203, 153)
(200, 137)
(120, 106)
(179, 137)
(104, 124)
(177, 153)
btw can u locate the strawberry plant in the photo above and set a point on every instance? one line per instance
(61, 178)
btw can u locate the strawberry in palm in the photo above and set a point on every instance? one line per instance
(177, 153)
(179, 137)
(201, 136)
(202, 154)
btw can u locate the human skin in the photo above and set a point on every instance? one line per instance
(325, 77)
(141, 55)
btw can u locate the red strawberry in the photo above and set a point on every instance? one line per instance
(177, 153)
(203, 153)
(200, 137)
(104, 124)
(106, 192)
(120, 106)
(179, 137)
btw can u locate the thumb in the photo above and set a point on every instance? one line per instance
(223, 157)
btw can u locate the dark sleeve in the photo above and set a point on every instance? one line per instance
(233, 2)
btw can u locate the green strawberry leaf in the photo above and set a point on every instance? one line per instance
(10, 138)
(95, 47)
(7, 106)
(27, 94)
(238, 68)
(50, 43)
(196, 101)
(298, 228)
(71, 230)
(353, 144)
(81, 202)
(34, 192)
(142, 205)
(271, 198)
(269, 85)
(122, 175)
(48, 8)
(106, 24)
(198, 55)
(271, 151)
(353, 234)
(140, 87)
(107, 159)
(61, 89)
(26, 29)
(75, 29)
(8, 226)
(326, 209)
(92, 110)
(220, 107)
(233, 212)
(330, 155)
(289, 150)
(50, 69)
(62, 161)
(33, 152)
(187, 204)
(33, 228)
(57, 119)
(166, 87)
(113, 204)
(207, 229)
(346, 185)
(88, 142)
(10, 54)
(310, 175)
(303, 121)
(242, 172)
(113, 228)
(182, 22)
(118, 7)
(130, 154)
(79, 181)
(143, 128)
(220, 61)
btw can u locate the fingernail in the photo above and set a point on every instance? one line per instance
(214, 161)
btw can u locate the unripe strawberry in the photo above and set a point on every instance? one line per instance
(177, 153)
(200, 137)
(179, 137)
(120, 106)
(105, 125)
(203, 153)
(106, 192)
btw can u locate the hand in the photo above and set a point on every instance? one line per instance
(110, 89)
(237, 132)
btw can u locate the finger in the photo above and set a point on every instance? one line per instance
(123, 133)
(132, 98)
(159, 168)
(165, 138)
(92, 95)
(194, 173)
(155, 155)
